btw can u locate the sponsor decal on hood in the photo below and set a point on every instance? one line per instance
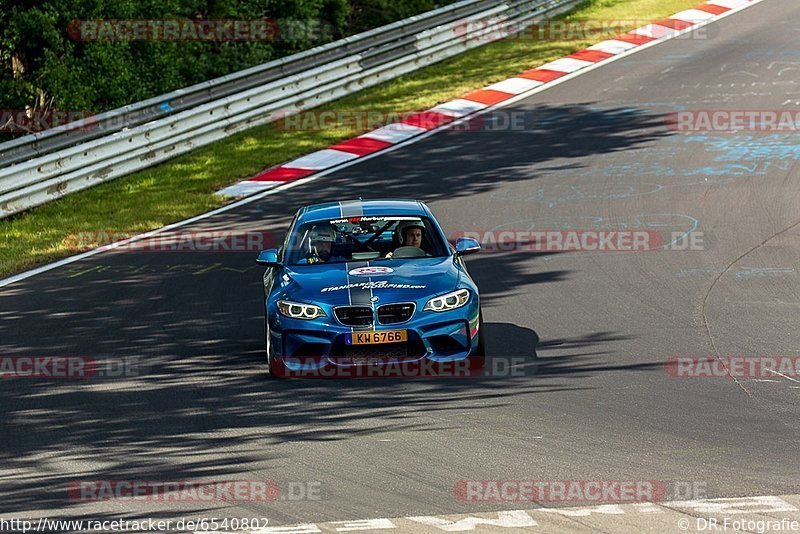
(370, 271)
(381, 284)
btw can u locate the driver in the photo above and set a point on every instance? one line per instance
(322, 240)
(410, 235)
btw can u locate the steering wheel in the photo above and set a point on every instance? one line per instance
(408, 252)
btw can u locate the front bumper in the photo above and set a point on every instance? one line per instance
(319, 346)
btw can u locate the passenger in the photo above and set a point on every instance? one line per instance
(322, 239)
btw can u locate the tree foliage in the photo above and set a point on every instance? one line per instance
(44, 66)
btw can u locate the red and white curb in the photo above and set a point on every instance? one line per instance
(738, 514)
(425, 121)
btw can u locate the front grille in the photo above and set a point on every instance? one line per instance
(354, 315)
(395, 313)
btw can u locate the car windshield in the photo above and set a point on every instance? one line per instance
(364, 238)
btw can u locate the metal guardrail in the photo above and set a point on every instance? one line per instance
(44, 166)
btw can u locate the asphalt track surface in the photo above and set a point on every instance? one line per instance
(596, 404)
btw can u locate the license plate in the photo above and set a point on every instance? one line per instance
(374, 338)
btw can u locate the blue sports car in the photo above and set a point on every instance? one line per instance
(369, 285)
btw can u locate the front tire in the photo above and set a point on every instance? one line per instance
(275, 368)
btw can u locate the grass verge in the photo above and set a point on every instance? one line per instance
(185, 186)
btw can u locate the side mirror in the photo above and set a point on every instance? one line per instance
(268, 258)
(466, 245)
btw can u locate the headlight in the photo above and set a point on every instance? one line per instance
(295, 310)
(451, 301)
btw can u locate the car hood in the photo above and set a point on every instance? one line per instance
(356, 282)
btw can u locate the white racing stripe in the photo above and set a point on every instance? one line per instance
(403, 135)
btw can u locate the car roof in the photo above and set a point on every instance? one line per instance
(363, 208)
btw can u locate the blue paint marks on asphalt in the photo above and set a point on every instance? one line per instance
(748, 273)
(666, 170)
(776, 150)
(732, 156)
(743, 273)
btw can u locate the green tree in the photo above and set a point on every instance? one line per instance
(43, 65)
